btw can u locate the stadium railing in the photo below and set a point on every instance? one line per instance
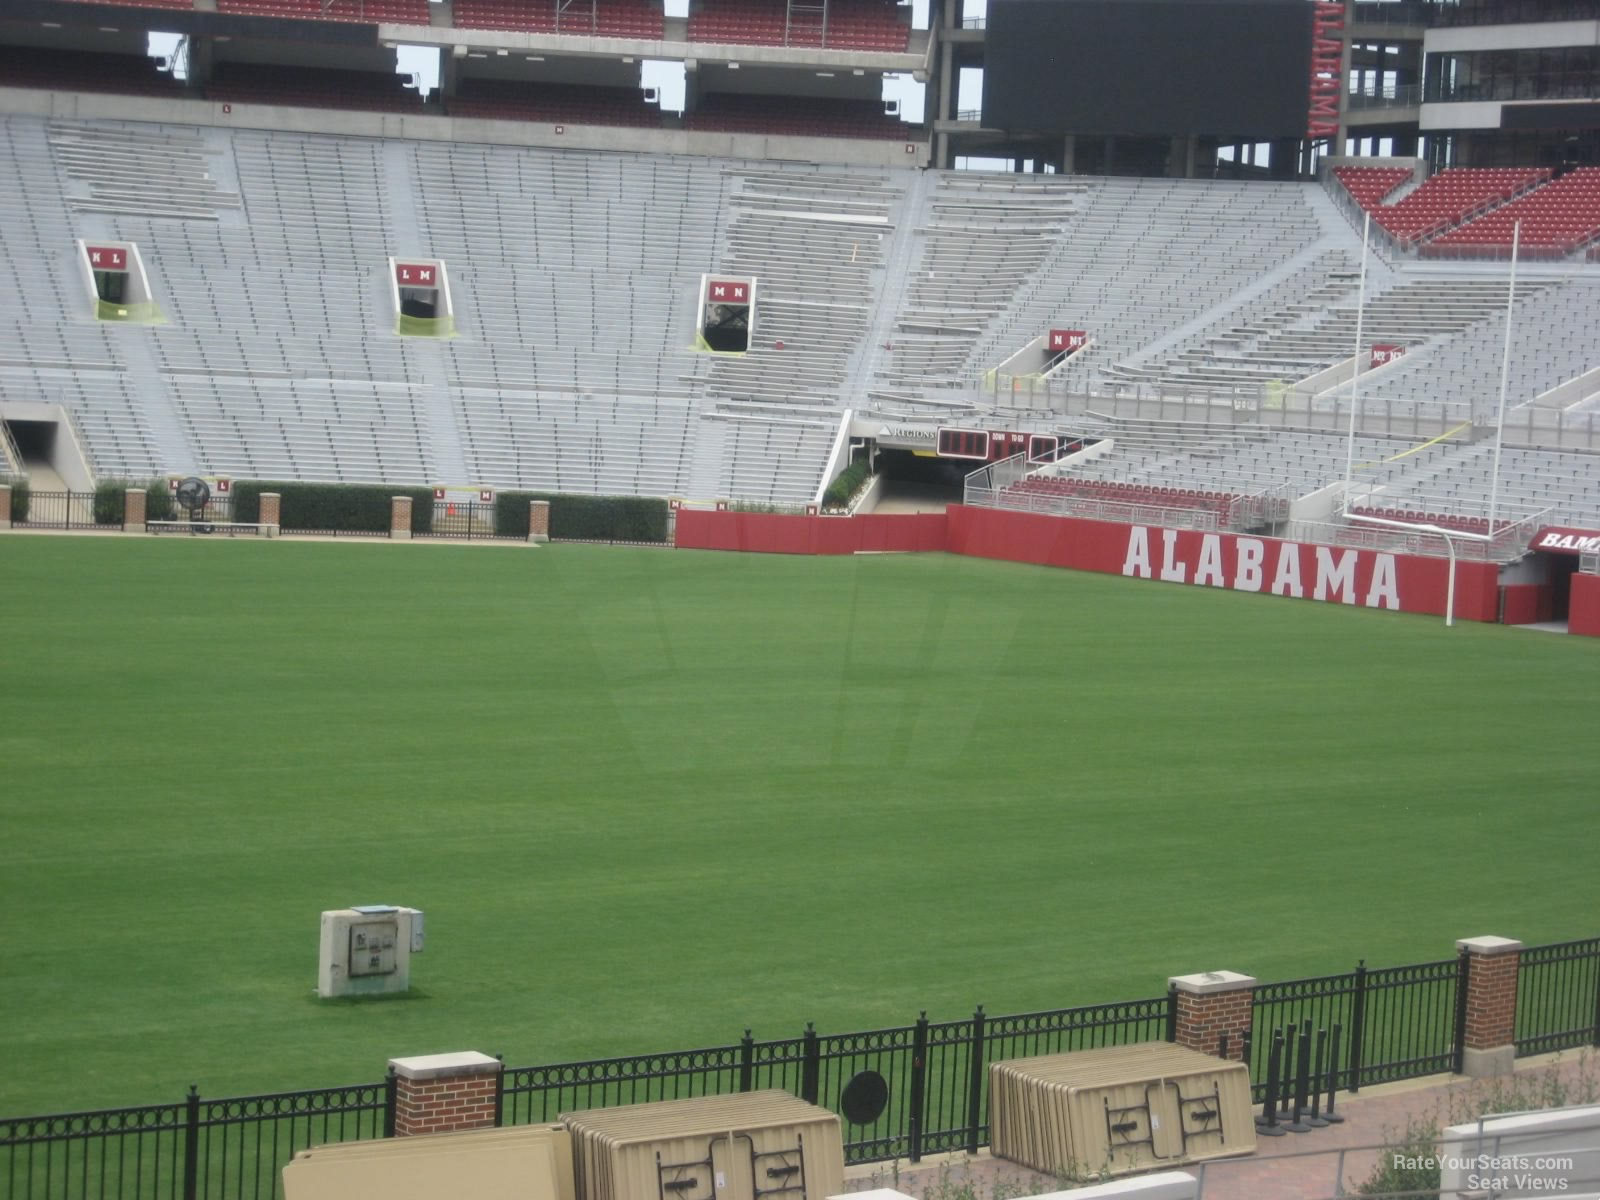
(1394, 1023)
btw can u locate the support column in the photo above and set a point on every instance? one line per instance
(202, 62)
(5, 506)
(1490, 1046)
(443, 1093)
(1212, 1004)
(267, 518)
(940, 96)
(133, 508)
(400, 517)
(538, 520)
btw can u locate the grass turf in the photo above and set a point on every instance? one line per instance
(649, 798)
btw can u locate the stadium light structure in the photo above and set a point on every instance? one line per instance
(1449, 536)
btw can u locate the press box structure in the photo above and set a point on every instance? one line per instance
(366, 951)
(530, 1162)
(749, 1146)
(1119, 1109)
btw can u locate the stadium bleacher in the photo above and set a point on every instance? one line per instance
(606, 18)
(400, 12)
(1559, 217)
(846, 25)
(572, 271)
(1370, 187)
(1444, 201)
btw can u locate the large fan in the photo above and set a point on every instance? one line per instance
(193, 494)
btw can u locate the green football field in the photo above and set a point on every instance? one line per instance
(648, 798)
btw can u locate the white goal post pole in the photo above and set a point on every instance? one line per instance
(1505, 376)
(1449, 536)
(1355, 375)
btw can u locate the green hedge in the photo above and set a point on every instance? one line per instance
(846, 484)
(338, 507)
(110, 499)
(158, 505)
(19, 500)
(591, 518)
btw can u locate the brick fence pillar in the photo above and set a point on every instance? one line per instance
(538, 520)
(5, 506)
(1490, 1047)
(267, 518)
(133, 504)
(1209, 1005)
(441, 1093)
(400, 517)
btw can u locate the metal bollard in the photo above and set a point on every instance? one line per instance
(1314, 1118)
(1302, 1079)
(1330, 1116)
(1267, 1122)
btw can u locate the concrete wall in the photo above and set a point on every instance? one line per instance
(1555, 1153)
(419, 127)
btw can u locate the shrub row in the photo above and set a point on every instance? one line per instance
(364, 508)
(336, 507)
(110, 499)
(847, 483)
(585, 518)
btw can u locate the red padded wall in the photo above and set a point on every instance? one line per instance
(1525, 603)
(1226, 560)
(1583, 608)
(776, 533)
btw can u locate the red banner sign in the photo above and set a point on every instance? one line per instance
(1327, 23)
(1382, 355)
(1067, 340)
(107, 258)
(728, 291)
(417, 275)
(1560, 539)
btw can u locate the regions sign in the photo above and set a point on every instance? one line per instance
(1558, 539)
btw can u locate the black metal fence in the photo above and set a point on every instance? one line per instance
(1392, 1022)
(61, 510)
(1558, 997)
(931, 1078)
(902, 1092)
(198, 1149)
(465, 521)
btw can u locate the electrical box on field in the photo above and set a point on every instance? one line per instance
(366, 950)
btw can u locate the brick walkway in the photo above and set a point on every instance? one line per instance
(1303, 1166)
